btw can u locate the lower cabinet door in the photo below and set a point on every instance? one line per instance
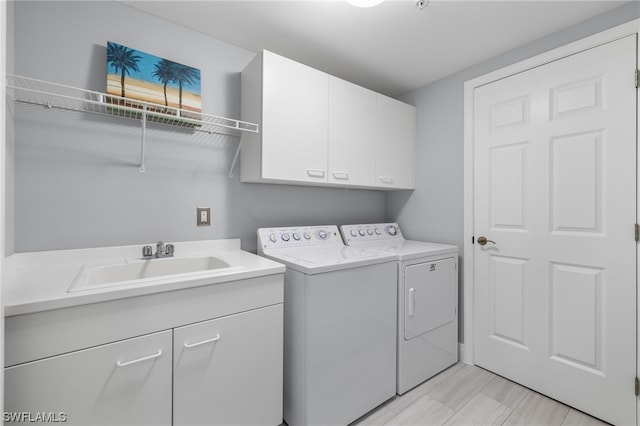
(122, 383)
(228, 371)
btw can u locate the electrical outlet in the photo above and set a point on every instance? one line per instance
(203, 216)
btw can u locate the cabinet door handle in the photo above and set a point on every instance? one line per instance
(203, 342)
(412, 302)
(386, 179)
(340, 176)
(135, 361)
(315, 173)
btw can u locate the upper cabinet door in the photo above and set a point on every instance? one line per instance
(294, 121)
(395, 146)
(352, 134)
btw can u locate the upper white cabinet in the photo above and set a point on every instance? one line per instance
(292, 100)
(352, 134)
(395, 147)
(317, 129)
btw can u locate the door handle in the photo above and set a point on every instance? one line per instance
(412, 302)
(340, 176)
(135, 361)
(483, 240)
(315, 173)
(203, 342)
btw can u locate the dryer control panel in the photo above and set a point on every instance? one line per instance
(302, 236)
(371, 232)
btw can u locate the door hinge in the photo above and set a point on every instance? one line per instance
(637, 386)
(637, 78)
(637, 232)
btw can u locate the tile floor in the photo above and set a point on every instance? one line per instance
(469, 395)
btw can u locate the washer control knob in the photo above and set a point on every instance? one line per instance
(273, 238)
(322, 234)
(377, 231)
(361, 232)
(296, 236)
(392, 230)
(307, 236)
(354, 233)
(285, 237)
(369, 231)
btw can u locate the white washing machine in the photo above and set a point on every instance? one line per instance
(427, 285)
(339, 324)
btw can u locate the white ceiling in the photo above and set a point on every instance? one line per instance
(391, 48)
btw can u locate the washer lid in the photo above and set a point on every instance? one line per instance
(408, 249)
(321, 259)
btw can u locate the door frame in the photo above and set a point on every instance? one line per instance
(624, 30)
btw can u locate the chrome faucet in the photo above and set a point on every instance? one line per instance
(162, 250)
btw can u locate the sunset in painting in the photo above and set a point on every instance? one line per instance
(137, 75)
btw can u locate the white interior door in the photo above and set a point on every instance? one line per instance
(555, 192)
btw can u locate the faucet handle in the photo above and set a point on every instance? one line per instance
(169, 250)
(147, 252)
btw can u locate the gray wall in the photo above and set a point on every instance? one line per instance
(434, 211)
(76, 178)
(9, 173)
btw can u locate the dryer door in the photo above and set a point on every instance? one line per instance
(429, 295)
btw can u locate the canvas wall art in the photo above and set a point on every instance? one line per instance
(133, 74)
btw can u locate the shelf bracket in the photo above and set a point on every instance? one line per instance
(144, 134)
(235, 158)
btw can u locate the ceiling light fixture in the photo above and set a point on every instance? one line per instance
(364, 3)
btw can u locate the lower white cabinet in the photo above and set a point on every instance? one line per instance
(228, 371)
(122, 383)
(223, 371)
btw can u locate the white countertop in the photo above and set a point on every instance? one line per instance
(40, 281)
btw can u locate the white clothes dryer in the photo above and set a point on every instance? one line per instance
(339, 324)
(427, 285)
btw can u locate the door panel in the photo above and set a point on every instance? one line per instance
(508, 300)
(555, 188)
(508, 166)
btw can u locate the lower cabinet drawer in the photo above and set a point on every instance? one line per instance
(228, 371)
(122, 383)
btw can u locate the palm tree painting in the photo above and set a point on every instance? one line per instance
(164, 71)
(138, 75)
(122, 59)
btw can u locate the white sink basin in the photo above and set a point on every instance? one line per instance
(132, 271)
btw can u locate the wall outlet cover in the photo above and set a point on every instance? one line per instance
(203, 216)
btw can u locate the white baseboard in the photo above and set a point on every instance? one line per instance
(464, 355)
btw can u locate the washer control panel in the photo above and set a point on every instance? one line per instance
(297, 237)
(370, 232)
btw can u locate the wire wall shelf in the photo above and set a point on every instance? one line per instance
(53, 95)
